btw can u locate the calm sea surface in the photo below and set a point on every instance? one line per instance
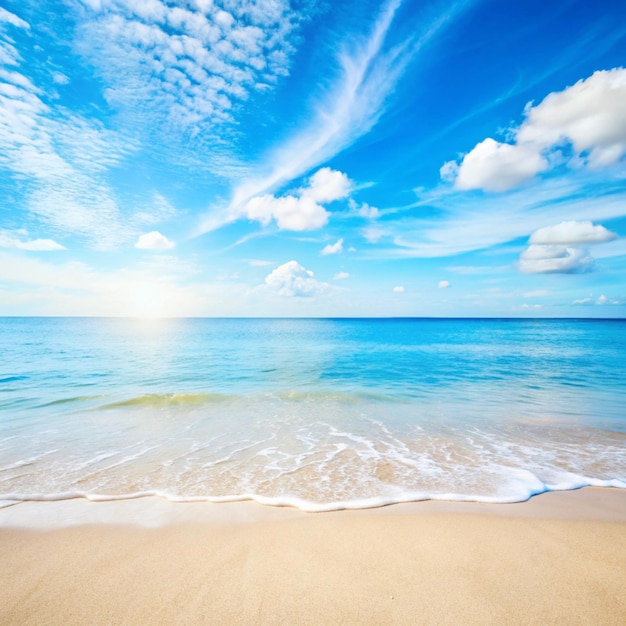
(320, 414)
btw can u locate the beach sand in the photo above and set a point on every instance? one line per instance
(558, 559)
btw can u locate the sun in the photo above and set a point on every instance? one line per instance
(149, 299)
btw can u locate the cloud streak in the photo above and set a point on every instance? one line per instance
(368, 71)
(60, 158)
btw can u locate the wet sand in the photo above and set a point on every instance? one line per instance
(558, 558)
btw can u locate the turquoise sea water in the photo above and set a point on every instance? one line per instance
(320, 414)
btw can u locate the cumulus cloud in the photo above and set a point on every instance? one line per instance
(334, 248)
(363, 210)
(538, 259)
(7, 240)
(556, 249)
(293, 280)
(290, 212)
(443, 284)
(496, 166)
(449, 171)
(588, 116)
(327, 185)
(154, 240)
(572, 233)
(355, 97)
(601, 300)
(399, 289)
(304, 211)
(341, 276)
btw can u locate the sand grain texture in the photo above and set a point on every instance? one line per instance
(364, 567)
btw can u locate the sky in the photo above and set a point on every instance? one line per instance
(313, 158)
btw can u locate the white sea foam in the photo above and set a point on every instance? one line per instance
(379, 420)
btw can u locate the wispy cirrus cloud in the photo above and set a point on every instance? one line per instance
(62, 159)
(368, 69)
(456, 222)
(10, 18)
(59, 157)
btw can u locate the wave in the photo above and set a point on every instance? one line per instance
(167, 399)
(68, 401)
(194, 399)
(328, 395)
(308, 506)
(11, 379)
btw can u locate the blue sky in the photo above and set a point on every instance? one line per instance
(313, 158)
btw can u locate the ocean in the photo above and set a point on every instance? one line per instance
(320, 414)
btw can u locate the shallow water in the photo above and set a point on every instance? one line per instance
(319, 414)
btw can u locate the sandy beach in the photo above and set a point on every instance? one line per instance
(558, 558)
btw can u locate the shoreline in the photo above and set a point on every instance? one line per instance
(558, 558)
(584, 504)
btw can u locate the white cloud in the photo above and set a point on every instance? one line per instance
(341, 276)
(588, 115)
(367, 73)
(192, 63)
(556, 248)
(600, 300)
(539, 259)
(363, 210)
(373, 234)
(399, 289)
(290, 212)
(34, 245)
(60, 79)
(572, 232)
(14, 20)
(449, 171)
(301, 212)
(334, 248)
(154, 240)
(159, 210)
(293, 280)
(575, 196)
(58, 159)
(443, 284)
(327, 185)
(496, 166)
